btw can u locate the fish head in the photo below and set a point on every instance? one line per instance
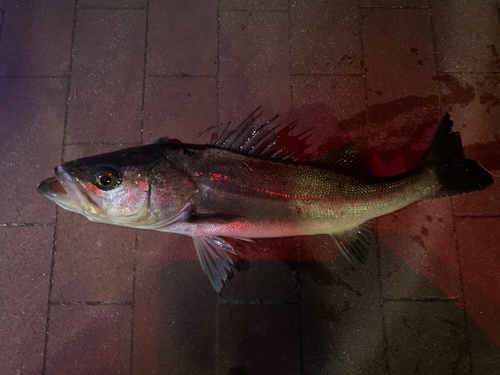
(111, 188)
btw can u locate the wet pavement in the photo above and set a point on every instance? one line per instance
(88, 76)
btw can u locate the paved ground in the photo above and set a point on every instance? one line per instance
(86, 76)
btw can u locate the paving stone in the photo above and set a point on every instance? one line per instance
(254, 66)
(418, 251)
(36, 37)
(259, 339)
(394, 3)
(89, 340)
(485, 353)
(31, 130)
(182, 37)
(260, 5)
(106, 89)
(175, 308)
(400, 73)
(426, 337)
(473, 102)
(326, 38)
(181, 108)
(341, 321)
(25, 261)
(392, 158)
(477, 241)
(266, 270)
(467, 35)
(482, 202)
(334, 108)
(94, 261)
(112, 3)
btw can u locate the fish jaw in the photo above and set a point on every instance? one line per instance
(68, 194)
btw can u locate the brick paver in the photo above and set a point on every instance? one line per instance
(426, 337)
(250, 334)
(24, 286)
(400, 72)
(36, 37)
(31, 130)
(254, 65)
(180, 108)
(89, 339)
(419, 236)
(341, 321)
(85, 76)
(107, 79)
(182, 38)
(467, 35)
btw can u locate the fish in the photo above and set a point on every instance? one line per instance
(245, 184)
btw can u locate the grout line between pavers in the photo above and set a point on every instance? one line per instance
(381, 302)
(217, 119)
(236, 302)
(326, 75)
(2, 17)
(423, 299)
(183, 75)
(434, 51)
(111, 8)
(132, 303)
(217, 74)
(144, 71)
(290, 63)
(458, 216)
(363, 69)
(468, 71)
(255, 10)
(49, 305)
(92, 303)
(217, 333)
(136, 242)
(42, 225)
(378, 253)
(42, 76)
(462, 287)
(300, 246)
(393, 7)
(53, 259)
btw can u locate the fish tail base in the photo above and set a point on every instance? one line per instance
(455, 174)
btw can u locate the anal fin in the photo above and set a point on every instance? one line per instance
(356, 244)
(212, 253)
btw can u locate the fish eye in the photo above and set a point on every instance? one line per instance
(107, 178)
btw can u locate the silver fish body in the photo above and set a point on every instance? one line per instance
(259, 198)
(245, 186)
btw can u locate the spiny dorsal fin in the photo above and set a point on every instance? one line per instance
(347, 160)
(256, 140)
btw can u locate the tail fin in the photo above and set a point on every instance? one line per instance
(456, 174)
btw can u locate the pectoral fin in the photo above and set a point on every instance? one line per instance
(212, 253)
(356, 243)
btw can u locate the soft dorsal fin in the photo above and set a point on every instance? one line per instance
(347, 160)
(256, 140)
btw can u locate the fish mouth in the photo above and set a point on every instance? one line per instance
(68, 193)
